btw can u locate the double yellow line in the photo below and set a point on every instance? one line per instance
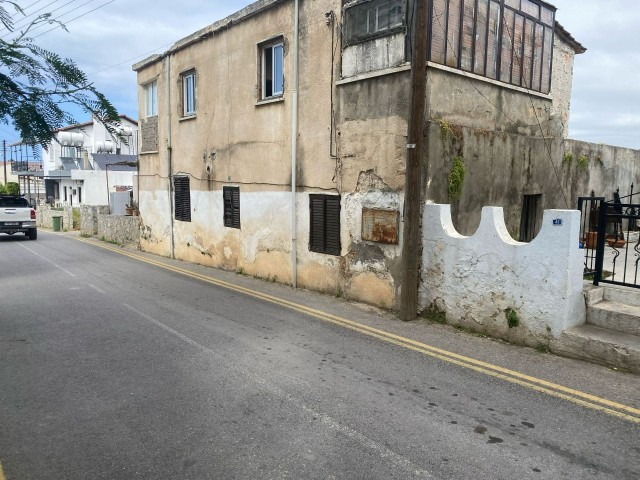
(575, 396)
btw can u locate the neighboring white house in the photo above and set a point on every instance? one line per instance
(86, 163)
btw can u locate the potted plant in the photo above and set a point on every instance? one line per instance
(131, 208)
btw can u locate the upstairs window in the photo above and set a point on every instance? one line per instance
(189, 93)
(272, 61)
(151, 98)
(506, 40)
(324, 231)
(182, 198)
(372, 18)
(231, 197)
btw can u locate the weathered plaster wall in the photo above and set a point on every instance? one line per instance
(472, 281)
(463, 99)
(603, 168)
(119, 228)
(377, 54)
(561, 83)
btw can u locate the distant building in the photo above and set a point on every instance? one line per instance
(85, 162)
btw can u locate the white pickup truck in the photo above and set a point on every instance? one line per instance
(16, 215)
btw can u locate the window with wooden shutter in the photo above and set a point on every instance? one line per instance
(324, 234)
(231, 197)
(182, 197)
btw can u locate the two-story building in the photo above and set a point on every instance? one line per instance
(274, 141)
(86, 162)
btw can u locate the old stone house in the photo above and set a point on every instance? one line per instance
(315, 94)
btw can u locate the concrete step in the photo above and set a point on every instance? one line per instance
(592, 294)
(625, 295)
(615, 316)
(602, 346)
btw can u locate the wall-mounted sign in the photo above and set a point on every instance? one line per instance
(380, 225)
(557, 222)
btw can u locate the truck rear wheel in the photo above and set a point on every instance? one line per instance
(33, 234)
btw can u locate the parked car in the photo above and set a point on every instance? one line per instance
(17, 216)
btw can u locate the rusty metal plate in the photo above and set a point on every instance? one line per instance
(380, 225)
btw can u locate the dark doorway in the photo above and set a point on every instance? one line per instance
(531, 219)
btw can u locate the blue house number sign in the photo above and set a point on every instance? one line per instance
(557, 222)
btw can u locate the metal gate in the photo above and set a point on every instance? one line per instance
(609, 233)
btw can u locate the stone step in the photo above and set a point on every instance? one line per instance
(592, 294)
(625, 295)
(602, 346)
(615, 316)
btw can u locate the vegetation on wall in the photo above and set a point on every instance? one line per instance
(513, 320)
(583, 163)
(456, 178)
(567, 159)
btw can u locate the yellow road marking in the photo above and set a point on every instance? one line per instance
(559, 391)
(2, 477)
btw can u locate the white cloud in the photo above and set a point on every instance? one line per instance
(606, 93)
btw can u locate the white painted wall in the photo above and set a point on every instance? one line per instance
(475, 279)
(94, 184)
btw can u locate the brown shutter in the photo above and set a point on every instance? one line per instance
(231, 198)
(324, 234)
(182, 198)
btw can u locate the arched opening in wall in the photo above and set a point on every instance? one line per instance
(466, 220)
(531, 219)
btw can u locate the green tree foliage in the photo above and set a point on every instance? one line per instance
(11, 188)
(36, 84)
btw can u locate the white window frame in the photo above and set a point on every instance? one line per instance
(151, 99)
(189, 92)
(263, 52)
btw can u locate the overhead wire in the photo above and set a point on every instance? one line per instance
(26, 19)
(76, 18)
(51, 20)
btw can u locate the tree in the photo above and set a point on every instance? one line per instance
(11, 188)
(36, 84)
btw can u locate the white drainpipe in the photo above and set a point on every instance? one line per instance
(294, 150)
(169, 159)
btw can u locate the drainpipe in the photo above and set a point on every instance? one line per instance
(169, 161)
(294, 149)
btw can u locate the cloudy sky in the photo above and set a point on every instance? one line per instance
(110, 35)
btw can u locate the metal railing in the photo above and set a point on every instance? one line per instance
(609, 233)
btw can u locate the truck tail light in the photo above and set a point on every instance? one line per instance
(33, 214)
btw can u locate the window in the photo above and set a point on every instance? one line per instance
(79, 194)
(231, 197)
(324, 232)
(272, 70)
(151, 98)
(182, 197)
(70, 152)
(508, 40)
(370, 19)
(65, 194)
(189, 93)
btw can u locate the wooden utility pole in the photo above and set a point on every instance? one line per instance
(417, 144)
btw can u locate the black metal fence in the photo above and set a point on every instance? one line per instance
(609, 233)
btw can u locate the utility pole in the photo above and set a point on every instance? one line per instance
(4, 158)
(417, 144)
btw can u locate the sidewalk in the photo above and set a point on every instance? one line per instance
(593, 379)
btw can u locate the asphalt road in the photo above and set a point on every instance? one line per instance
(112, 368)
